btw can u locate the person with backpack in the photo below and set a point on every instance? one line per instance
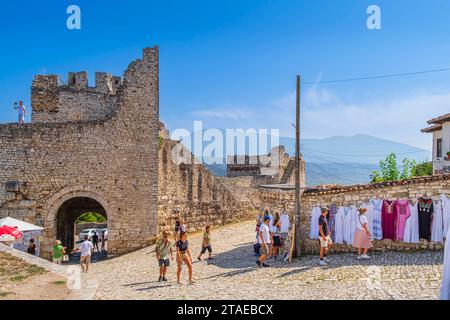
(206, 244)
(163, 249)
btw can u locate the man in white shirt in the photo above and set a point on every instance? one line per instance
(264, 241)
(86, 250)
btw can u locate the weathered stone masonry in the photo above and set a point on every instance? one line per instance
(99, 143)
(279, 199)
(191, 191)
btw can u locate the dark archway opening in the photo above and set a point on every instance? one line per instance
(67, 216)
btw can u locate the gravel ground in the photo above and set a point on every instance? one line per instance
(232, 274)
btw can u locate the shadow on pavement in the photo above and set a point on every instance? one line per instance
(96, 257)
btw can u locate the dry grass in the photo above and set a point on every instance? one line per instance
(15, 269)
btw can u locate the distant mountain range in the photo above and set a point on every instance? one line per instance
(359, 148)
(342, 160)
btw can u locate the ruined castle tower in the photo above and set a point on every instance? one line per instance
(87, 149)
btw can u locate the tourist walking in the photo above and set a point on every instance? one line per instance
(95, 240)
(103, 241)
(86, 248)
(180, 227)
(184, 256)
(276, 236)
(22, 111)
(177, 228)
(31, 247)
(58, 252)
(206, 244)
(324, 237)
(361, 240)
(163, 249)
(264, 241)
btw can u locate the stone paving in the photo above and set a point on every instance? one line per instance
(233, 274)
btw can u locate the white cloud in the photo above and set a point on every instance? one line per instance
(325, 114)
(399, 119)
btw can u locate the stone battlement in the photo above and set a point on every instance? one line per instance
(87, 148)
(52, 101)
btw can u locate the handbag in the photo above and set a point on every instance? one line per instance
(65, 258)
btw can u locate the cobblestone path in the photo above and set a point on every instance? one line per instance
(232, 274)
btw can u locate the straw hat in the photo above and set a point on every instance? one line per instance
(58, 242)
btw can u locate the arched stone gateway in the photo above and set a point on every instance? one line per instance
(67, 216)
(87, 147)
(65, 210)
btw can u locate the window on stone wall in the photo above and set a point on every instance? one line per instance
(439, 148)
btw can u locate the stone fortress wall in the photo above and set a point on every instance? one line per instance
(98, 143)
(189, 190)
(279, 199)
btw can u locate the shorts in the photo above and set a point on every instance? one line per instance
(164, 262)
(325, 243)
(57, 260)
(276, 241)
(204, 248)
(265, 248)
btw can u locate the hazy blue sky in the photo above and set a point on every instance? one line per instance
(233, 63)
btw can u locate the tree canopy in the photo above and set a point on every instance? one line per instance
(390, 170)
(91, 217)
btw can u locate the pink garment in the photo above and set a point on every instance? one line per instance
(389, 219)
(403, 213)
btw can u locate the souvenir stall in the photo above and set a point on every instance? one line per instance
(402, 220)
(28, 230)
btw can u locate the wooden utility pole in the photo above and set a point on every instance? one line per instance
(298, 244)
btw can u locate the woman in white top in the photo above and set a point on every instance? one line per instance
(361, 240)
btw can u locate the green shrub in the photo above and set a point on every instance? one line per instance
(91, 217)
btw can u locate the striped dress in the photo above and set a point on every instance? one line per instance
(377, 227)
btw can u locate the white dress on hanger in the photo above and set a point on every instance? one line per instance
(377, 227)
(339, 226)
(369, 216)
(353, 222)
(347, 225)
(285, 223)
(314, 229)
(445, 212)
(412, 225)
(445, 286)
(437, 227)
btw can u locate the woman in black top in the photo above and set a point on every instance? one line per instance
(31, 247)
(184, 255)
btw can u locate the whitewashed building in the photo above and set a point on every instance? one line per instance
(440, 128)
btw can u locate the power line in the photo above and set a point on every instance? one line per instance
(355, 165)
(363, 155)
(383, 76)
